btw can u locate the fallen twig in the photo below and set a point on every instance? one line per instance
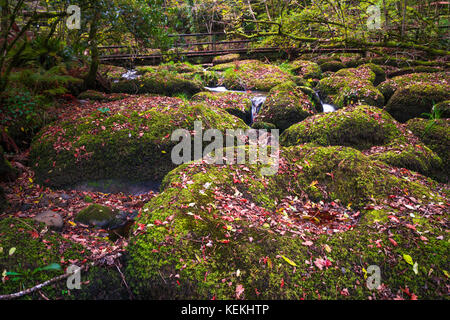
(35, 288)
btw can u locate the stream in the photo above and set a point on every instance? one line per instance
(259, 97)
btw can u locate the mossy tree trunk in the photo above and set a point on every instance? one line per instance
(91, 77)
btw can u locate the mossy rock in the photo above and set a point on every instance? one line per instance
(371, 130)
(306, 69)
(285, 106)
(342, 91)
(235, 103)
(263, 125)
(32, 252)
(332, 66)
(112, 72)
(360, 73)
(207, 78)
(414, 69)
(226, 58)
(369, 72)
(173, 67)
(133, 143)
(253, 75)
(190, 234)
(436, 137)
(98, 216)
(416, 99)
(100, 96)
(223, 66)
(300, 81)
(415, 157)
(443, 108)
(388, 87)
(359, 127)
(380, 74)
(158, 81)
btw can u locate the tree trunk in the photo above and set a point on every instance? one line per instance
(90, 80)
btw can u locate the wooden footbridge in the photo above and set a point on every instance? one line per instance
(188, 47)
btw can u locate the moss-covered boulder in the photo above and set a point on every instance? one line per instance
(207, 78)
(226, 58)
(263, 125)
(414, 100)
(368, 129)
(98, 216)
(332, 66)
(343, 90)
(306, 69)
(24, 248)
(131, 142)
(369, 72)
(236, 103)
(416, 157)
(436, 135)
(443, 109)
(112, 72)
(100, 96)
(285, 106)
(253, 75)
(226, 232)
(390, 86)
(164, 81)
(359, 127)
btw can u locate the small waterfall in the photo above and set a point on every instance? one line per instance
(257, 103)
(325, 106)
(217, 89)
(328, 107)
(258, 98)
(130, 75)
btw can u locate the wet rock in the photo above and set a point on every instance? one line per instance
(51, 219)
(97, 216)
(105, 217)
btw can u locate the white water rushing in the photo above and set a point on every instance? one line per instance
(258, 98)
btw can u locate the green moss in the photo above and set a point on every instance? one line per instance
(100, 96)
(331, 66)
(415, 99)
(342, 90)
(373, 216)
(285, 105)
(413, 157)
(112, 72)
(236, 103)
(306, 69)
(130, 144)
(163, 81)
(444, 108)
(359, 127)
(360, 73)
(34, 252)
(96, 215)
(207, 78)
(188, 233)
(253, 74)
(437, 138)
(388, 87)
(263, 125)
(226, 58)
